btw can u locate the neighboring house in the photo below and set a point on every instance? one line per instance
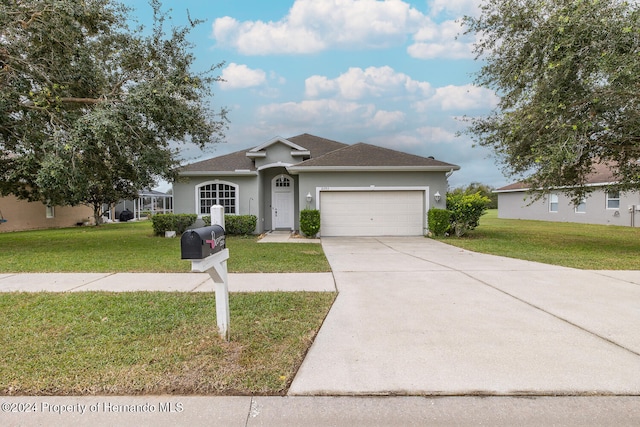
(19, 215)
(599, 207)
(148, 202)
(360, 189)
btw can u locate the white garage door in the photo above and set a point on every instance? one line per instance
(372, 213)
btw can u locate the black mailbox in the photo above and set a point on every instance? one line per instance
(199, 243)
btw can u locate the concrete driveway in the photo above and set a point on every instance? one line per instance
(418, 317)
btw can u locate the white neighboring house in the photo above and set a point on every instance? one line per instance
(599, 207)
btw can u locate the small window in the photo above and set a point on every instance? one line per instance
(582, 206)
(613, 200)
(553, 203)
(50, 212)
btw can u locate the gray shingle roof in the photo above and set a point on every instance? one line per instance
(366, 155)
(601, 174)
(324, 153)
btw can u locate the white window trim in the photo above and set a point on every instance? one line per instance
(50, 212)
(583, 201)
(217, 181)
(556, 202)
(607, 199)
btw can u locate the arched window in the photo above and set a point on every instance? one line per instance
(218, 193)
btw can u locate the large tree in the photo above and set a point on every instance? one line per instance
(91, 109)
(568, 74)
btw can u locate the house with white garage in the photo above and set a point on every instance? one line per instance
(360, 189)
(600, 206)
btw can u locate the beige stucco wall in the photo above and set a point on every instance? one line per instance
(23, 215)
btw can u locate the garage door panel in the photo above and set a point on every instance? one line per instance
(372, 213)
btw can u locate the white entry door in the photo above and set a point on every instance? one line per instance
(282, 202)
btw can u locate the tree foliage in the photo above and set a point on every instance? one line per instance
(568, 73)
(483, 189)
(90, 108)
(466, 210)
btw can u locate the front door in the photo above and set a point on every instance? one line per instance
(282, 202)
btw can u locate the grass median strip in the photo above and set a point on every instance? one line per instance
(154, 343)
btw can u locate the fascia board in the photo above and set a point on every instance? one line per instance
(238, 172)
(301, 169)
(273, 141)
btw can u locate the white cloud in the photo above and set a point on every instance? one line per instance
(454, 7)
(357, 83)
(316, 112)
(387, 119)
(459, 98)
(435, 134)
(444, 40)
(316, 25)
(237, 76)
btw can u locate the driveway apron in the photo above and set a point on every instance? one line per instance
(418, 317)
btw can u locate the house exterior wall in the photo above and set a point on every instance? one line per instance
(23, 215)
(277, 153)
(184, 193)
(519, 205)
(311, 182)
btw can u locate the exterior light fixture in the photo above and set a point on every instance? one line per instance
(436, 196)
(309, 197)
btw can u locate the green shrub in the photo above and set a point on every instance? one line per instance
(439, 221)
(466, 210)
(240, 225)
(237, 225)
(172, 222)
(310, 222)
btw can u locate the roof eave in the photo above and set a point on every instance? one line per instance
(239, 172)
(521, 190)
(447, 168)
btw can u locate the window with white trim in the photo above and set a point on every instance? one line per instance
(613, 200)
(219, 193)
(50, 212)
(553, 202)
(283, 182)
(582, 206)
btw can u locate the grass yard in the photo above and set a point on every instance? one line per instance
(583, 246)
(145, 342)
(154, 343)
(132, 247)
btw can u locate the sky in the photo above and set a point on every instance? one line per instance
(396, 73)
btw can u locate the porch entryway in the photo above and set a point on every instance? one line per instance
(282, 196)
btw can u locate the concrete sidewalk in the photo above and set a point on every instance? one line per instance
(246, 411)
(164, 282)
(418, 317)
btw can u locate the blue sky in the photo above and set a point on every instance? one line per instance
(395, 73)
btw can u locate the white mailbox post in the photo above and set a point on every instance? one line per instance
(216, 265)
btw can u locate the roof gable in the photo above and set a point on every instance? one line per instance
(261, 150)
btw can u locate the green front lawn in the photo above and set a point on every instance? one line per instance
(132, 247)
(151, 342)
(154, 342)
(584, 246)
